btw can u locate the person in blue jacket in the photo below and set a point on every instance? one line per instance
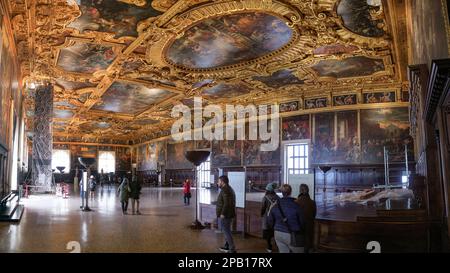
(293, 221)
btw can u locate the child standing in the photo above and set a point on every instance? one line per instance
(187, 192)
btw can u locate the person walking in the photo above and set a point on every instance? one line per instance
(226, 211)
(287, 219)
(123, 191)
(309, 210)
(187, 192)
(135, 192)
(92, 186)
(270, 199)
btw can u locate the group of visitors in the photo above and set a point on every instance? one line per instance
(288, 220)
(130, 190)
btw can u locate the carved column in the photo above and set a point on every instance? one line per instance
(42, 139)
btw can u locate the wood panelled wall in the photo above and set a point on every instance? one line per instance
(11, 102)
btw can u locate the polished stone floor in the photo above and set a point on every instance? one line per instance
(49, 223)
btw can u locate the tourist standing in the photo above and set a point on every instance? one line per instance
(309, 209)
(135, 192)
(287, 219)
(226, 211)
(123, 191)
(270, 199)
(187, 192)
(92, 186)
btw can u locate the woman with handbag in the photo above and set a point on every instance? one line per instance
(287, 219)
(124, 192)
(187, 192)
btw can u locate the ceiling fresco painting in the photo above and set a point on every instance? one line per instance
(350, 67)
(86, 57)
(335, 49)
(226, 91)
(279, 79)
(130, 98)
(357, 16)
(229, 39)
(112, 16)
(70, 85)
(119, 66)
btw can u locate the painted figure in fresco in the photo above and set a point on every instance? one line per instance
(310, 104)
(320, 103)
(338, 101)
(386, 97)
(349, 100)
(370, 98)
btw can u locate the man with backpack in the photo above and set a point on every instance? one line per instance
(269, 201)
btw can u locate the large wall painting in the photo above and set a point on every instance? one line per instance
(130, 98)
(226, 153)
(86, 57)
(229, 39)
(385, 128)
(357, 17)
(351, 67)
(123, 162)
(253, 156)
(347, 148)
(175, 155)
(149, 155)
(112, 16)
(323, 144)
(296, 127)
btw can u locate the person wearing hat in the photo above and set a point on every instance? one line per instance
(269, 201)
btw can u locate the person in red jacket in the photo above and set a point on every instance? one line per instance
(187, 192)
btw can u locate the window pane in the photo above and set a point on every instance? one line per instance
(107, 161)
(61, 158)
(302, 150)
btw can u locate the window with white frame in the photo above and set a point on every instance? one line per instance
(61, 158)
(204, 174)
(106, 161)
(296, 158)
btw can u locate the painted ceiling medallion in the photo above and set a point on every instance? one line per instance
(228, 40)
(357, 16)
(351, 67)
(130, 98)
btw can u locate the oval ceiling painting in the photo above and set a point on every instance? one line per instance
(229, 40)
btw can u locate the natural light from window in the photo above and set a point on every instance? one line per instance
(107, 161)
(61, 158)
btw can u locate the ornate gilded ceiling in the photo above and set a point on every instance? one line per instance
(119, 66)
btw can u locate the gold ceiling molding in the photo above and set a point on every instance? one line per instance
(41, 31)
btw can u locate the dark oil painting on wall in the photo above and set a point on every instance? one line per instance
(379, 97)
(356, 15)
(112, 16)
(289, 106)
(347, 149)
(123, 162)
(130, 98)
(226, 153)
(229, 39)
(296, 127)
(315, 103)
(253, 156)
(279, 79)
(385, 128)
(86, 57)
(351, 67)
(149, 155)
(323, 144)
(175, 155)
(344, 100)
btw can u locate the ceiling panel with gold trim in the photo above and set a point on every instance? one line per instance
(119, 66)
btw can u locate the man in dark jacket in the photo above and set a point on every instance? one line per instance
(291, 222)
(226, 211)
(309, 209)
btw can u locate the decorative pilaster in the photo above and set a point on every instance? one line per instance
(42, 139)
